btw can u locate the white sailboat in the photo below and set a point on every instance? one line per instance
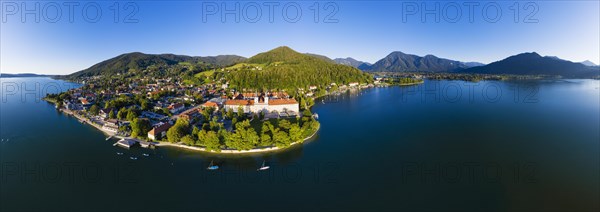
(263, 167)
(211, 166)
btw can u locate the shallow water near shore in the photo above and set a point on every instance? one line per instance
(440, 145)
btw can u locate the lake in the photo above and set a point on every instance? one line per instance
(439, 146)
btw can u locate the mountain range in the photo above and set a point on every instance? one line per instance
(588, 63)
(401, 62)
(352, 62)
(5, 75)
(521, 64)
(534, 64)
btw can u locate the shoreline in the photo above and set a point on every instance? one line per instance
(200, 149)
(233, 151)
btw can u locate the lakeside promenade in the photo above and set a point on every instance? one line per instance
(178, 145)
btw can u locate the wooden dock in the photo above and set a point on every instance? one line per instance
(125, 143)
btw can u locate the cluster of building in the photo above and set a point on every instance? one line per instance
(265, 103)
(181, 101)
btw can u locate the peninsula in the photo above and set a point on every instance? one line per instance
(223, 104)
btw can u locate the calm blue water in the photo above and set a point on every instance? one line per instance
(442, 145)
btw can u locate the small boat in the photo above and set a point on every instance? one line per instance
(263, 167)
(212, 166)
(146, 154)
(109, 137)
(119, 153)
(133, 158)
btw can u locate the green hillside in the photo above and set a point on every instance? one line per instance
(140, 64)
(284, 68)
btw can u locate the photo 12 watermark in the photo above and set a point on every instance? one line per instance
(468, 172)
(48, 172)
(471, 11)
(321, 173)
(69, 11)
(31, 91)
(269, 11)
(469, 92)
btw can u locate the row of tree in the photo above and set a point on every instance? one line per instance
(246, 134)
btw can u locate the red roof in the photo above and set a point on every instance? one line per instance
(239, 102)
(210, 104)
(159, 129)
(282, 101)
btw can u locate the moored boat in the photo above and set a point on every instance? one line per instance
(212, 166)
(263, 167)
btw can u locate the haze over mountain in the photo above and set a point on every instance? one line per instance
(473, 64)
(400, 62)
(588, 63)
(5, 75)
(534, 64)
(352, 62)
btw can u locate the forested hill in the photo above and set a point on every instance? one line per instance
(137, 63)
(534, 64)
(284, 68)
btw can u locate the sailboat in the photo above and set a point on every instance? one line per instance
(263, 167)
(212, 166)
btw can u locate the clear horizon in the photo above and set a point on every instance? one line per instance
(364, 31)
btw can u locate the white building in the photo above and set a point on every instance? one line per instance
(263, 104)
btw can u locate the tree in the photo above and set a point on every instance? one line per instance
(131, 115)
(295, 133)
(284, 124)
(140, 127)
(240, 112)
(111, 115)
(206, 113)
(229, 114)
(212, 142)
(234, 121)
(180, 129)
(195, 131)
(188, 139)
(94, 110)
(244, 138)
(122, 113)
(201, 135)
(166, 111)
(215, 125)
(145, 104)
(59, 104)
(281, 139)
(265, 140)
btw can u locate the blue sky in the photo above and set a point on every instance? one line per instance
(364, 30)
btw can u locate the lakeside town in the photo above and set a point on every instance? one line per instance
(210, 117)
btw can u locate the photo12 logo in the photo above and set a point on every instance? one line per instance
(70, 11)
(454, 12)
(253, 12)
